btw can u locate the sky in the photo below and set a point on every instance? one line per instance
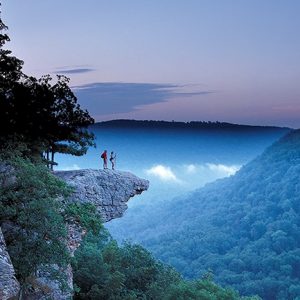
(204, 60)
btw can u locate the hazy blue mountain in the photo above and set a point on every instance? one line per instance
(245, 228)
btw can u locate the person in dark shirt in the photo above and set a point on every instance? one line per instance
(104, 157)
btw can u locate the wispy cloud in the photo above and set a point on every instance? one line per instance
(190, 169)
(120, 97)
(73, 70)
(192, 173)
(220, 169)
(223, 169)
(162, 172)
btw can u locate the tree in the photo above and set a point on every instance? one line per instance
(10, 66)
(41, 112)
(69, 133)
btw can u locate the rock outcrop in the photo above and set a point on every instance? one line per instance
(108, 190)
(9, 285)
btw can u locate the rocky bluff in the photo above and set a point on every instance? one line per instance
(108, 190)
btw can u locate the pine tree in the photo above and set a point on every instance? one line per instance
(41, 112)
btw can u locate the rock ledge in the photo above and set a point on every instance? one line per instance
(108, 190)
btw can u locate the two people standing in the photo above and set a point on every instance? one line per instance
(113, 157)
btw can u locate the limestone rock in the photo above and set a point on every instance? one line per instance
(9, 286)
(108, 190)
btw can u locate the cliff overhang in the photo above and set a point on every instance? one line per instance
(108, 190)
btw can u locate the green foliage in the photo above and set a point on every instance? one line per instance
(14, 148)
(44, 112)
(30, 216)
(85, 214)
(104, 270)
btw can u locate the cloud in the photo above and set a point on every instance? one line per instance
(190, 169)
(210, 170)
(102, 98)
(228, 170)
(74, 70)
(219, 169)
(162, 172)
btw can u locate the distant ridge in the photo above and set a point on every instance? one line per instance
(150, 124)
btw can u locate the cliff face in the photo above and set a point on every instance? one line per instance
(9, 285)
(108, 190)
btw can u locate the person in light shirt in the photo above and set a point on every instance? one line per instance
(112, 159)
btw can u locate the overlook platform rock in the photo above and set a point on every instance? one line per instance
(108, 190)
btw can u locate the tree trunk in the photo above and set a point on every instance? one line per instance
(52, 160)
(47, 157)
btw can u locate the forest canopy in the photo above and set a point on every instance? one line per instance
(245, 228)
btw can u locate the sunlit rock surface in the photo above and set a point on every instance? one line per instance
(108, 190)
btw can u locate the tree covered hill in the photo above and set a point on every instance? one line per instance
(193, 125)
(245, 228)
